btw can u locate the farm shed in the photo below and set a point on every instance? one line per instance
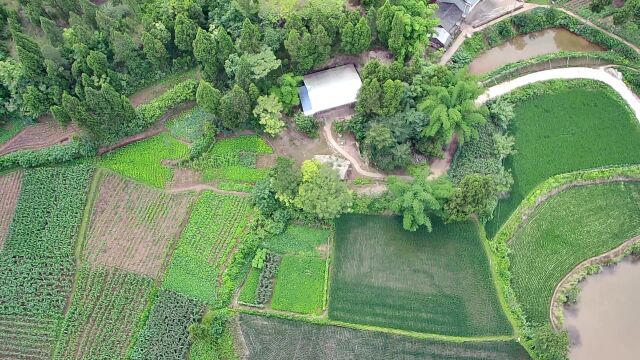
(329, 89)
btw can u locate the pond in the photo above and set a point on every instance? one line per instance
(527, 46)
(605, 323)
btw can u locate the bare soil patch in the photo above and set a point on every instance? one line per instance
(9, 191)
(43, 134)
(133, 227)
(298, 146)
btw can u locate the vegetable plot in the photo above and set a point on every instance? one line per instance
(217, 224)
(106, 306)
(36, 263)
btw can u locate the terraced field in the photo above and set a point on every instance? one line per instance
(563, 132)
(104, 313)
(272, 338)
(437, 282)
(9, 190)
(134, 227)
(564, 231)
(217, 224)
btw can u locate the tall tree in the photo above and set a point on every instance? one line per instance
(53, 32)
(393, 96)
(250, 37)
(453, 110)
(269, 113)
(155, 51)
(208, 97)
(204, 50)
(185, 32)
(324, 195)
(476, 194)
(418, 200)
(369, 98)
(235, 108)
(30, 57)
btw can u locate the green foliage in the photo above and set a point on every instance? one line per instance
(569, 228)
(269, 114)
(287, 91)
(217, 224)
(475, 194)
(298, 240)
(109, 315)
(185, 32)
(142, 161)
(418, 200)
(249, 289)
(393, 293)
(306, 124)
(265, 281)
(259, 258)
(299, 285)
(191, 125)
(150, 113)
(234, 159)
(235, 108)
(559, 129)
(55, 154)
(324, 195)
(208, 97)
(355, 37)
(383, 150)
(549, 344)
(165, 334)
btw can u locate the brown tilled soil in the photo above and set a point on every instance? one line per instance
(9, 190)
(133, 226)
(40, 135)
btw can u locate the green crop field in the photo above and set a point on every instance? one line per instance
(299, 285)
(273, 338)
(234, 159)
(437, 282)
(565, 230)
(300, 240)
(142, 161)
(165, 335)
(563, 132)
(248, 293)
(216, 225)
(103, 315)
(36, 262)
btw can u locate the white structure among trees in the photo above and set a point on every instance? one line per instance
(329, 89)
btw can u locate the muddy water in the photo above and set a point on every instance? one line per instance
(605, 323)
(527, 46)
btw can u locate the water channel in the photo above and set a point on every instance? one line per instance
(605, 323)
(527, 46)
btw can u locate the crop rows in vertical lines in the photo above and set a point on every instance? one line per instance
(217, 224)
(133, 227)
(36, 263)
(165, 335)
(106, 306)
(9, 191)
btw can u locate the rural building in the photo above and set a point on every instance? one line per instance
(465, 6)
(342, 166)
(329, 89)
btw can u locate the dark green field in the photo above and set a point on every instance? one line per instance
(567, 229)
(437, 282)
(275, 339)
(563, 132)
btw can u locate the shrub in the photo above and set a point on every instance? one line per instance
(179, 94)
(306, 124)
(76, 149)
(259, 258)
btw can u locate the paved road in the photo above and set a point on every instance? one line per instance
(600, 74)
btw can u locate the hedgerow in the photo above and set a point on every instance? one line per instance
(76, 149)
(166, 333)
(149, 113)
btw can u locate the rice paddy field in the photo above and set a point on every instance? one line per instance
(438, 282)
(567, 229)
(273, 338)
(563, 132)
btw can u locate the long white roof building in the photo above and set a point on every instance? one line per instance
(328, 89)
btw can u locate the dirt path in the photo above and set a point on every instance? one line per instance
(570, 277)
(357, 164)
(600, 74)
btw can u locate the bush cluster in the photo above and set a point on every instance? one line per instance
(179, 94)
(76, 149)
